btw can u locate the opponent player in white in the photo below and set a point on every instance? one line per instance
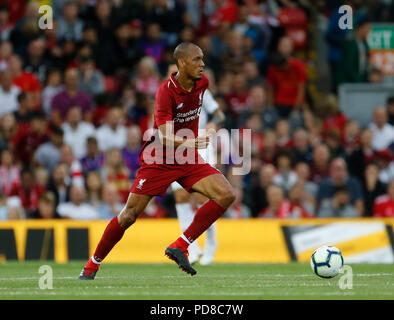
(183, 199)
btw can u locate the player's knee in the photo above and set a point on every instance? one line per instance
(127, 217)
(227, 197)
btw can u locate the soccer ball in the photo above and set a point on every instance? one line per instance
(327, 261)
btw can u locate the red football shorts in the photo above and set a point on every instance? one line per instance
(155, 179)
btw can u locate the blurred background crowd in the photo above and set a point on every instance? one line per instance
(75, 101)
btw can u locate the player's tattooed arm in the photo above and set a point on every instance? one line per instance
(168, 138)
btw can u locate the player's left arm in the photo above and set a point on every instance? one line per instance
(217, 120)
(212, 107)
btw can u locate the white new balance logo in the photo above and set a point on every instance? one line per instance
(140, 183)
(179, 105)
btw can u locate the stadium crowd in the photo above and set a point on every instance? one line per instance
(76, 99)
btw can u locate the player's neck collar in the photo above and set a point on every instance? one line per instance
(177, 85)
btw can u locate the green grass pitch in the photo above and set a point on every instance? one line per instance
(218, 281)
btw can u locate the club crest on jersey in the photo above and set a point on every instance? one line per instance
(140, 183)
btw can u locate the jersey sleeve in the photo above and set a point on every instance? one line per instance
(376, 210)
(271, 76)
(301, 72)
(209, 103)
(163, 107)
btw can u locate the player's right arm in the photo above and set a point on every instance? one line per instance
(164, 121)
(168, 138)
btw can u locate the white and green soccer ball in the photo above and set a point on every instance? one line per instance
(327, 261)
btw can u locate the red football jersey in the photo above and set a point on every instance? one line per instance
(383, 207)
(182, 108)
(286, 82)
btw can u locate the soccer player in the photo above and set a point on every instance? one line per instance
(177, 106)
(183, 199)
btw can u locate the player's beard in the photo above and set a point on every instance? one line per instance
(195, 76)
(199, 77)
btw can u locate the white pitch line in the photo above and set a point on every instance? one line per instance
(373, 274)
(221, 293)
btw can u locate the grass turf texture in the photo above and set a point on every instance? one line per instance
(219, 281)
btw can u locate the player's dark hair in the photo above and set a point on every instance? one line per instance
(180, 51)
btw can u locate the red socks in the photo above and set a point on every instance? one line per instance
(203, 219)
(112, 234)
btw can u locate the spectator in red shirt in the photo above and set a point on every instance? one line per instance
(10, 179)
(286, 79)
(333, 117)
(384, 205)
(17, 10)
(28, 192)
(300, 205)
(29, 138)
(114, 171)
(226, 11)
(238, 98)
(26, 81)
(280, 207)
